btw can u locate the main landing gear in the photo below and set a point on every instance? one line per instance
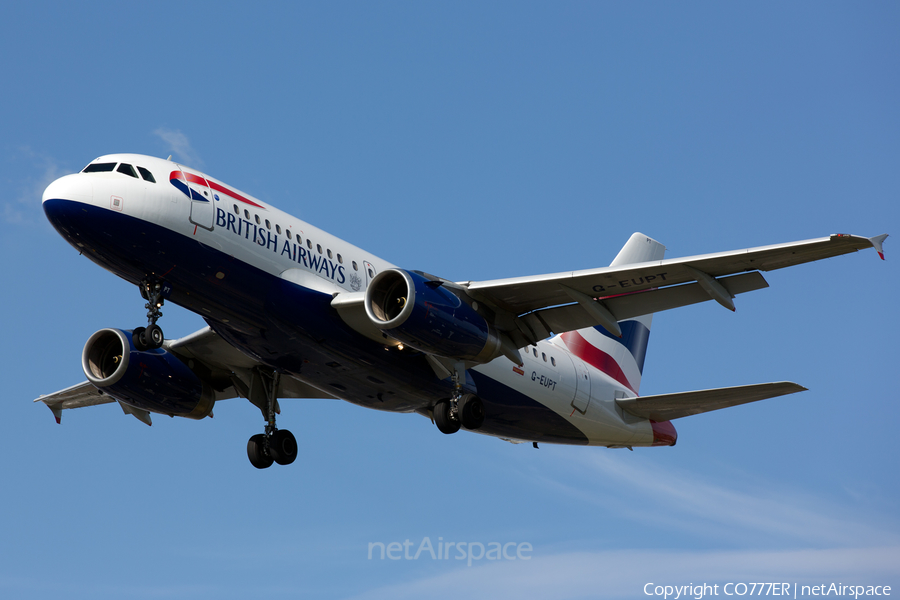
(464, 410)
(151, 336)
(275, 445)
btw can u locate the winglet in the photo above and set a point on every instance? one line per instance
(876, 243)
(55, 408)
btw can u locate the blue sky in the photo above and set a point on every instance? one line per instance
(473, 141)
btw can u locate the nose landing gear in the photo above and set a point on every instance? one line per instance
(150, 337)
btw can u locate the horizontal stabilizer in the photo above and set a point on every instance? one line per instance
(666, 407)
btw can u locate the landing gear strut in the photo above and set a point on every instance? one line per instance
(460, 410)
(275, 445)
(150, 337)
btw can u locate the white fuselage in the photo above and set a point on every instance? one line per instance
(250, 231)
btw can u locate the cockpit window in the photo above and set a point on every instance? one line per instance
(147, 175)
(127, 169)
(99, 168)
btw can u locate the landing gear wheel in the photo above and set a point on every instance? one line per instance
(137, 336)
(471, 412)
(153, 336)
(283, 447)
(256, 452)
(442, 418)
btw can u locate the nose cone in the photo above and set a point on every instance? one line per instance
(64, 201)
(75, 187)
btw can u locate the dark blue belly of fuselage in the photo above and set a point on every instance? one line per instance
(286, 326)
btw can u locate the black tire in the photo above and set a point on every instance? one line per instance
(442, 418)
(471, 412)
(256, 452)
(283, 447)
(137, 337)
(154, 336)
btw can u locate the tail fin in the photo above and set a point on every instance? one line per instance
(620, 358)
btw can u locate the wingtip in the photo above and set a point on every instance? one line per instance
(57, 414)
(877, 243)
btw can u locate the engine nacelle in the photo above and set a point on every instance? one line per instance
(152, 380)
(424, 314)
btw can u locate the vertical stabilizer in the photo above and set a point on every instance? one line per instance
(639, 248)
(622, 358)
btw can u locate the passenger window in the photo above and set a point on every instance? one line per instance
(99, 168)
(237, 211)
(309, 243)
(355, 267)
(278, 229)
(246, 214)
(340, 259)
(127, 170)
(288, 233)
(257, 219)
(552, 361)
(535, 352)
(319, 248)
(268, 225)
(544, 354)
(147, 175)
(329, 254)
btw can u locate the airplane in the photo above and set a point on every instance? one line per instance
(295, 312)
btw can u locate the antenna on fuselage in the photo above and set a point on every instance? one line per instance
(170, 157)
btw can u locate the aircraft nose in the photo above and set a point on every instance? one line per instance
(70, 187)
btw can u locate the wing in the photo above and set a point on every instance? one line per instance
(77, 396)
(222, 366)
(666, 407)
(543, 304)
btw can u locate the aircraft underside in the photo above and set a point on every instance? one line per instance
(297, 332)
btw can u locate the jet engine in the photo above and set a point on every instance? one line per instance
(427, 314)
(152, 380)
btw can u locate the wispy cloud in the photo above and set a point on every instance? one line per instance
(179, 145)
(736, 509)
(44, 169)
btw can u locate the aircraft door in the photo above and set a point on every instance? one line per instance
(202, 200)
(582, 398)
(370, 272)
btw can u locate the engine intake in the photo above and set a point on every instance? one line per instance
(424, 314)
(152, 380)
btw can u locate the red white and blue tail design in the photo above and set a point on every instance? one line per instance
(621, 358)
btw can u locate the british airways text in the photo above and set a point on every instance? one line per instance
(294, 251)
